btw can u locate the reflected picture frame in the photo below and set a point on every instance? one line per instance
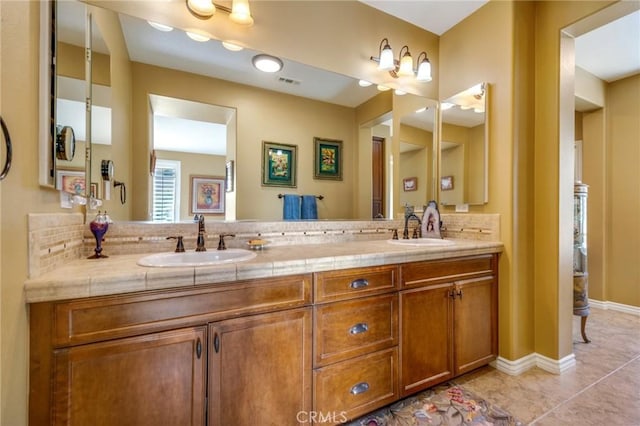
(327, 159)
(446, 183)
(410, 184)
(71, 180)
(206, 194)
(279, 163)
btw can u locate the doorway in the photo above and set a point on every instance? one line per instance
(377, 177)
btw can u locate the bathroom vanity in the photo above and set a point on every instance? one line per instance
(299, 335)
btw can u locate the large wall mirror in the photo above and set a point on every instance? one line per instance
(464, 147)
(161, 82)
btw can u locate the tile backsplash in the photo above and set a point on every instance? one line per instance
(58, 238)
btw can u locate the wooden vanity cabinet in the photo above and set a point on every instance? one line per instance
(449, 321)
(141, 358)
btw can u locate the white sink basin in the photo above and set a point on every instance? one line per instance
(196, 258)
(422, 242)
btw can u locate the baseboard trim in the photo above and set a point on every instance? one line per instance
(613, 306)
(519, 366)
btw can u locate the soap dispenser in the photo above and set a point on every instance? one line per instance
(99, 226)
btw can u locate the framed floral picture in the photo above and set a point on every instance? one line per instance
(279, 164)
(327, 159)
(206, 194)
(446, 183)
(410, 184)
(71, 180)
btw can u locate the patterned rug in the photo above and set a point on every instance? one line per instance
(447, 404)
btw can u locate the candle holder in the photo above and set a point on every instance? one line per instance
(99, 226)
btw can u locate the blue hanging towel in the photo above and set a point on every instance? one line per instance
(291, 207)
(309, 207)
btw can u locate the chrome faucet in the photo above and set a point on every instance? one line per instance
(200, 242)
(417, 232)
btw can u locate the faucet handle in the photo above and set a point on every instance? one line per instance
(221, 245)
(395, 233)
(180, 245)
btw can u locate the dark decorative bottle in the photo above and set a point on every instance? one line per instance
(99, 226)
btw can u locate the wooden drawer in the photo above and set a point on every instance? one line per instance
(351, 328)
(101, 318)
(357, 386)
(418, 274)
(357, 282)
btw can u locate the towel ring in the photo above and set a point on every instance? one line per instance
(7, 141)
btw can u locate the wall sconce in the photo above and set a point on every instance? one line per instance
(403, 66)
(240, 12)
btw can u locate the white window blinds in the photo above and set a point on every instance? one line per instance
(166, 191)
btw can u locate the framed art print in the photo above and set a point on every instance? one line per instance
(410, 184)
(71, 180)
(327, 162)
(446, 183)
(279, 164)
(206, 194)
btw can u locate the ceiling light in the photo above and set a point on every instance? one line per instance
(160, 27)
(364, 83)
(202, 9)
(403, 66)
(423, 109)
(400, 92)
(197, 36)
(241, 13)
(232, 46)
(446, 105)
(267, 63)
(383, 88)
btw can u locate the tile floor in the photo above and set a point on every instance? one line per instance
(602, 389)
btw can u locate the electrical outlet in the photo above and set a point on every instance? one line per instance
(462, 208)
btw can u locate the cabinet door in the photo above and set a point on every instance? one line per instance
(155, 379)
(260, 369)
(426, 337)
(476, 323)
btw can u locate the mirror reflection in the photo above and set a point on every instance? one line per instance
(144, 65)
(463, 156)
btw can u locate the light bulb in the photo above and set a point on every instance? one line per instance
(386, 59)
(201, 8)
(232, 46)
(424, 71)
(406, 64)
(197, 37)
(241, 13)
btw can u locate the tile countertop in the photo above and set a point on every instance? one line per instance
(120, 274)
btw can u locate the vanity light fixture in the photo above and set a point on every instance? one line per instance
(403, 66)
(240, 12)
(160, 27)
(267, 63)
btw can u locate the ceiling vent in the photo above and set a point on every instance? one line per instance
(287, 80)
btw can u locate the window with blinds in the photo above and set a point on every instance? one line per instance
(166, 191)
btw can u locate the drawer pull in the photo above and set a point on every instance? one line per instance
(359, 388)
(359, 283)
(361, 327)
(199, 348)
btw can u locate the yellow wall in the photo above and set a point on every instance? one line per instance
(623, 192)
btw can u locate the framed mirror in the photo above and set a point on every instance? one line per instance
(464, 142)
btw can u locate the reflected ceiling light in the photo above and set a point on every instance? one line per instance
(241, 12)
(403, 66)
(232, 46)
(267, 63)
(364, 83)
(160, 27)
(383, 88)
(423, 109)
(203, 9)
(197, 36)
(446, 105)
(400, 92)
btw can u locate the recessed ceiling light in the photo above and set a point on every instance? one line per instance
(364, 83)
(423, 109)
(400, 92)
(160, 27)
(198, 37)
(383, 88)
(267, 63)
(232, 46)
(446, 105)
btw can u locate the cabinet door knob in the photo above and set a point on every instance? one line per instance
(361, 327)
(359, 388)
(216, 343)
(359, 283)
(459, 293)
